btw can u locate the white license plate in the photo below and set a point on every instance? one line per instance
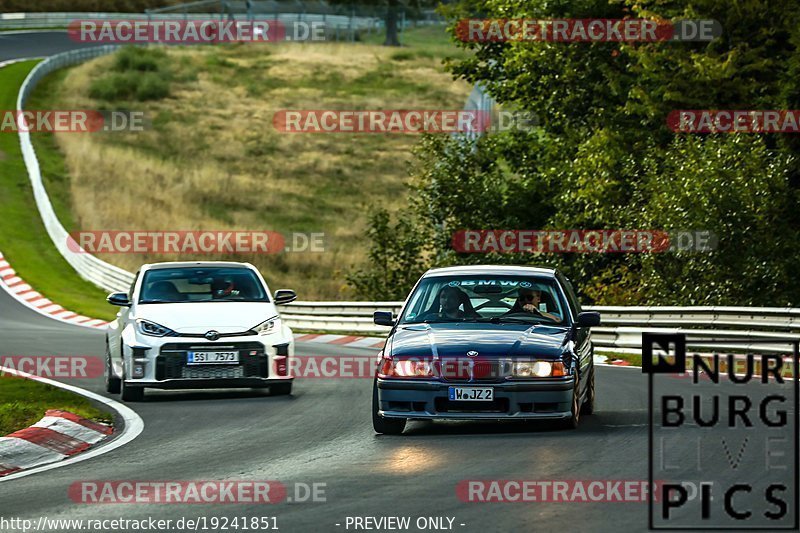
(471, 394)
(212, 358)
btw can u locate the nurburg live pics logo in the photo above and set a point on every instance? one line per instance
(723, 433)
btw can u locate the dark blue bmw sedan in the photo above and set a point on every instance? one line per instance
(486, 343)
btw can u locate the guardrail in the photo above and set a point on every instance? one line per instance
(761, 330)
(21, 21)
(97, 271)
(89, 267)
(756, 329)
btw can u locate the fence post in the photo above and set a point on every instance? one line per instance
(350, 29)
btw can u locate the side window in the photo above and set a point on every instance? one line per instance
(133, 285)
(572, 297)
(416, 305)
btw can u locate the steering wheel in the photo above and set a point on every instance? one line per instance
(430, 315)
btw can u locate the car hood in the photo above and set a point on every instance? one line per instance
(489, 340)
(200, 317)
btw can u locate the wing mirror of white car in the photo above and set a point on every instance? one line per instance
(119, 298)
(284, 296)
(383, 318)
(588, 319)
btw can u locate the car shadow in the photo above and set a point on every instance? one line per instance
(598, 423)
(155, 396)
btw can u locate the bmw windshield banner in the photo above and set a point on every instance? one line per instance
(714, 416)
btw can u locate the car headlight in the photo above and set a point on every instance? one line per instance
(152, 329)
(268, 326)
(538, 369)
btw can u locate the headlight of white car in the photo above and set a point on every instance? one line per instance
(268, 326)
(152, 329)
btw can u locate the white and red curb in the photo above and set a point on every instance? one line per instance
(57, 436)
(26, 295)
(349, 341)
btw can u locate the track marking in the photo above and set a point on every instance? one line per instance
(133, 426)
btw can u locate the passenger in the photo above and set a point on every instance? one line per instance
(163, 291)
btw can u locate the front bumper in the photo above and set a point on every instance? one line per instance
(428, 400)
(162, 363)
(223, 383)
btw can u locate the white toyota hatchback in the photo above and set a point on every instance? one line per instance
(198, 325)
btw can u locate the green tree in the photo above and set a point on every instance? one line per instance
(603, 157)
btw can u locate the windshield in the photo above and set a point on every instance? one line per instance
(177, 285)
(471, 298)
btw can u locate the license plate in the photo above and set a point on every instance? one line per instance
(212, 358)
(471, 394)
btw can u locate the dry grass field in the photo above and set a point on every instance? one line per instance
(212, 160)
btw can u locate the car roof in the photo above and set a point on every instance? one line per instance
(196, 264)
(492, 269)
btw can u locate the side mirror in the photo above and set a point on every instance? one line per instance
(383, 318)
(284, 296)
(119, 298)
(588, 319)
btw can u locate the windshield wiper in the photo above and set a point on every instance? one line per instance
(157, 301)
(510, 320)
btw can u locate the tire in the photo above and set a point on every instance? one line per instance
(573, 421)
(588, 404)
(280, 389)
(112, 382)
(130, 394)
(381, 425)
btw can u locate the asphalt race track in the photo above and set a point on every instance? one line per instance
(323, 434)
(14, 45)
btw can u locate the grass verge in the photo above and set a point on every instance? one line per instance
(23, 238)
(211, 158)
(23, 402)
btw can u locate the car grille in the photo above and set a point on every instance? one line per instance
(171, 362)
(226, 371)
(471, 370)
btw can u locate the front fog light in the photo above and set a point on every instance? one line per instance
(139, 363)
(138, 370)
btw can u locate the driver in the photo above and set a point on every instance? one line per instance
(450, 299)
(221, 288)
(528, 300)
